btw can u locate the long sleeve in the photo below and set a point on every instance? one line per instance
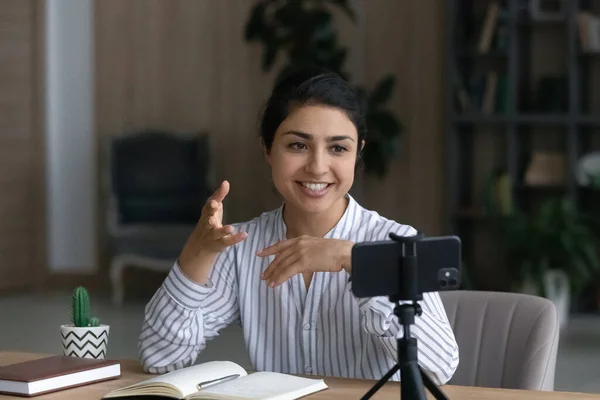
(438, 351)
(182, 315)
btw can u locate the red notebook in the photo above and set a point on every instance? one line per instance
(51, 374)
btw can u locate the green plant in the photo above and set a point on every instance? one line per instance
(594, 180)
(80, 310)
(303, 31)
(556, 236)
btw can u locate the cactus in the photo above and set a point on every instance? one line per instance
(80, 312)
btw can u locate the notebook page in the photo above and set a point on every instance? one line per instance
(187, 379)
(268, 385)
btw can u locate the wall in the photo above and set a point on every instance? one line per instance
(183, 65)
(71, 162)
(405, 38)
(22, 216)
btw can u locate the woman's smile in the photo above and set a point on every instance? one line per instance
(314, 189)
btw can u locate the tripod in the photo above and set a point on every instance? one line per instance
(412, 376)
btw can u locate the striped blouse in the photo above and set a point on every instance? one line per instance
(324, 330)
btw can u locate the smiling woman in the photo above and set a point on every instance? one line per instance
(313, 166)
(284, 275)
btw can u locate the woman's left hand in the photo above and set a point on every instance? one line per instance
(305, 254)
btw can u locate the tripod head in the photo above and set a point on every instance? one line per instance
(407, 285)
(407, 278)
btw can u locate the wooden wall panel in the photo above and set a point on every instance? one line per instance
(405, 38)
(22, 226)
(183, 65)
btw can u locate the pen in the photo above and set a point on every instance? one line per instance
(205, 384)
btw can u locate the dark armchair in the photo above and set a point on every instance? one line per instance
(157, 185)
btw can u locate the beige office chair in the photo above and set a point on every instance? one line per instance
(506, 340)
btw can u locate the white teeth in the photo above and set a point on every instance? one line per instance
(314, 186)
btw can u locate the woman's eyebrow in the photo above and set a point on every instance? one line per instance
(338, 138)
(308, 136)
(303, 135)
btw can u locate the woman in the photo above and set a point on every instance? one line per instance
(285, 274)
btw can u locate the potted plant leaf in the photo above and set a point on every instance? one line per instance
(551, 252)
(84, 337)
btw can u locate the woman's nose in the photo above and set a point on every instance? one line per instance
(317, 164)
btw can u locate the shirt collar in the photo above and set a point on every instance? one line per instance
(341, 230)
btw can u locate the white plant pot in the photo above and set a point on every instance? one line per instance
(84, 342)
(558, 291)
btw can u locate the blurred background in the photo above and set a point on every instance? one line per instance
(119, 117)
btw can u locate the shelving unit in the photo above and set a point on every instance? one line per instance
(546, 99)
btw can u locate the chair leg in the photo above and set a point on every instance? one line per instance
(116, 277)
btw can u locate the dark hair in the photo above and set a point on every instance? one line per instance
(311, 85)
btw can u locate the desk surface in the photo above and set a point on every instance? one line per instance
(339, 388)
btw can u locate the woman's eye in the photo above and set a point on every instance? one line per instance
(339, 149)
(297, 146)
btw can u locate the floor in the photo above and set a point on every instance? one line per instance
(30, 323)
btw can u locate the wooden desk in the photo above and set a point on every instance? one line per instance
(339, 388)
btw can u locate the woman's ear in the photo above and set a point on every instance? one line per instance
(265, 152)
(359, 159)
(361, 148)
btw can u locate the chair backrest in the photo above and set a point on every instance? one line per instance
(159, 177)
(506, 340)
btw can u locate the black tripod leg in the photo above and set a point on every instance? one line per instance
(411, 384)
(413, 380)
(432, 387)
(381, 382)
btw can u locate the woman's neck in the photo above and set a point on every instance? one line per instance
(316, 225)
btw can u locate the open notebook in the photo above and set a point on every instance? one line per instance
(222, 380)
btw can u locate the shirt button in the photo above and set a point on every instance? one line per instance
(308, 369)
(306, 327)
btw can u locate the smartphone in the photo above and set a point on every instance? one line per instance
(376, 265)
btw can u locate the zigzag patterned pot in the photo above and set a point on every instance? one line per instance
(84, 342)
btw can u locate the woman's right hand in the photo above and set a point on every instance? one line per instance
(209, 238)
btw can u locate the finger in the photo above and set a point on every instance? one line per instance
(221, 192)
(210, 208)
(276, 248)
(220, 232)
(285, 272)
(214, 222)
(279, 259)
(230, 240)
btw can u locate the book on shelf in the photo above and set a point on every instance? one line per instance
(502, 94)
(476, 88)
(589, 31)
(489, 95)
(498, 200)
(221, 380)
(489, 27)
(546, 168)
(486, 92)
(462, 94)
(54, 373)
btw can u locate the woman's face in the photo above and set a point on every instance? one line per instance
(313, 157)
